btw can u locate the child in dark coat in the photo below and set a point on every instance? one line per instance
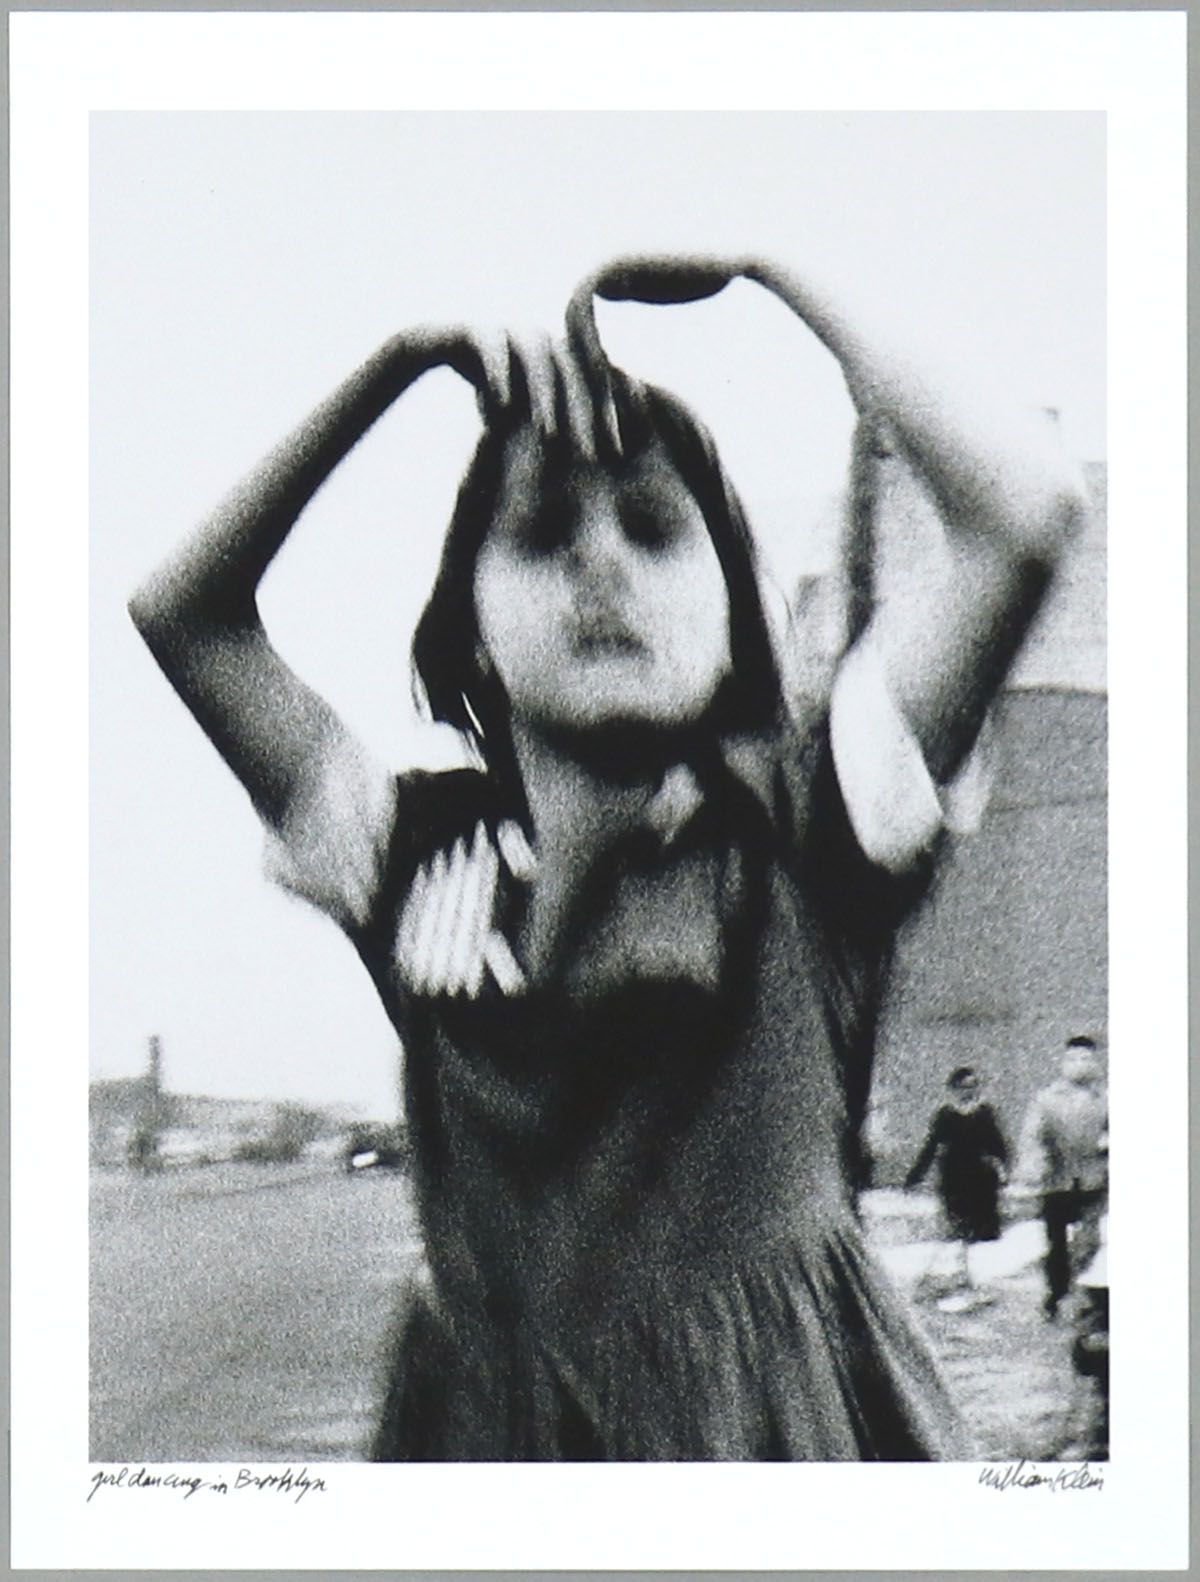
(972, 1158)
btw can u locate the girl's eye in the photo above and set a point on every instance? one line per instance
(545, 531)
(646, 526)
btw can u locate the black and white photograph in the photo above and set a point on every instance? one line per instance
(598, 797)
(715, 907)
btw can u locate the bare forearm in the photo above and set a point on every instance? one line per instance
(211, 579)
(1008, 498)
(198, 611)
(992, 472)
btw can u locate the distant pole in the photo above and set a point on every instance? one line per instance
(143, 1148)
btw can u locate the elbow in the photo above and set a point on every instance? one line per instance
(1037, 530)
(146, 611)
(142, 606)
(171, 614)
(1052, 516)
(1065, 515)
(160, 616)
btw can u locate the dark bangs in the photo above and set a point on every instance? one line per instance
(445, 644)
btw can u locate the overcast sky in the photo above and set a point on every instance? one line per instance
(242, 264)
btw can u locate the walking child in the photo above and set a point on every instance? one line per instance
(1064, 1155)
(972, 1158)
(636, 954)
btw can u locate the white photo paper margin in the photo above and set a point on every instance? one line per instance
(1129, 65)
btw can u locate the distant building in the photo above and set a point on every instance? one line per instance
(1010, 955)
(116, 1110)
(198, 1128)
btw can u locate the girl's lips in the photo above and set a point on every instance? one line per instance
(603, 632)
(605, 647)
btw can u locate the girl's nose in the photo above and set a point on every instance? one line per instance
(599, 546)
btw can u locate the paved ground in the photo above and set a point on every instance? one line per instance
(241, 1312)
(1008, 1367)
(238, 1312)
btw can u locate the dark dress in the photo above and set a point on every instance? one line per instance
(637, 1183)
(969, 1147)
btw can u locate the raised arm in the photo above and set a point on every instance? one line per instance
(1008, 498)
(1009, 501)
(198, 611)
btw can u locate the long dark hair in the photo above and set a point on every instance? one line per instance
(458, 691)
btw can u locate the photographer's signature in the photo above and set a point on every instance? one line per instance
(1028, 1475)
(296, 1484)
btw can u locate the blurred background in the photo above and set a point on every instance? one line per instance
(246, 1138)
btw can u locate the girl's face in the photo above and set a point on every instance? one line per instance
(599, 595)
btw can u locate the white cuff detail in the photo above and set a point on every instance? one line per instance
(895, 808)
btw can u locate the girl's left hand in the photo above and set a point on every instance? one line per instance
(663, 278)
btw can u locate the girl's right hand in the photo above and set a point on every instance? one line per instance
(483, 361)
(532, 377)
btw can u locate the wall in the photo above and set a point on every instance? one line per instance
(1009, 956)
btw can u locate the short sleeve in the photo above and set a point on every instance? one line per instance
(332, 848)
(894, 806)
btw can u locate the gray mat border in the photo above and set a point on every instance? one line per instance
(684, 6)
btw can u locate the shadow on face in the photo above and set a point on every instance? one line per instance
(599, 594)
